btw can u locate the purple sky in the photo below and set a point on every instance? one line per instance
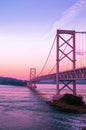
(27, 28)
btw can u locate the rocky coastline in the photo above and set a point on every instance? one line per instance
(69, 103)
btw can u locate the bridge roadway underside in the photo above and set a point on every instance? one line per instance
(71, 75)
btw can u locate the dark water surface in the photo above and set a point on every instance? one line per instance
(24, 109)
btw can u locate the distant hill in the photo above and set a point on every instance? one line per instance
(12, 81)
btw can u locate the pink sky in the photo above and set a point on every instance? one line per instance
(27, 30)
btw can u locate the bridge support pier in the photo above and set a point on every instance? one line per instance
(70, 84)
(67, 83)
(31, 85)
(74, 87)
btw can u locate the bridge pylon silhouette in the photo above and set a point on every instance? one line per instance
(32, 76)
(69, 40)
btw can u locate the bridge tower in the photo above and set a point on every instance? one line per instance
(32, 76)
(32, 73)
(65, 37)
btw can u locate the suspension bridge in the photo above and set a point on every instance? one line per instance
(70, 52)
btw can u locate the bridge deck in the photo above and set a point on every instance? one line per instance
(76, 74)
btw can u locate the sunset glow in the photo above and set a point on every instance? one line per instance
(27, 30)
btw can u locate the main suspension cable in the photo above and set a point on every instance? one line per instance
(47, 57)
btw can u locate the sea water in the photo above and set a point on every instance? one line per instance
(24, 109)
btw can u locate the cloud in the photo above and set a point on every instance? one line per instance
(67, 16)
(71, 13)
